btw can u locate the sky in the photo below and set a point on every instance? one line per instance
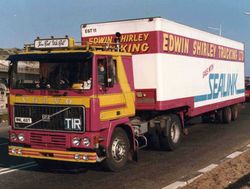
(21, 21)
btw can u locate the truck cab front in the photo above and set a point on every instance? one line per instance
(65, 100)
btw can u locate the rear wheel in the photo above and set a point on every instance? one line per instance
(170, 136)
(235, 112)
(227, 114)
(153, 138)
(219, 116)
(118, 151)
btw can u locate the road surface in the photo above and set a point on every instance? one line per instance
(205, 144)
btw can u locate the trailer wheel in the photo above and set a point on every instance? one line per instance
(235, 112)
(118, 151)
(171, 133)
(219, 116)
(227, 114)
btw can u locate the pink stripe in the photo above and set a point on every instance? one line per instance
(176, 103)
(163, 42)
(215, 106)
(188, 103)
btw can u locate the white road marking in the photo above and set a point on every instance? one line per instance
(178, 184)
(234, 155)
(208, 168)
(3, 144)
(17, 167)
(20, 168)
(193, 179)
(175, 185)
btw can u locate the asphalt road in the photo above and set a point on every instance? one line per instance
(205, 144)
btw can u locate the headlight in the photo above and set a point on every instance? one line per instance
(85, 157)
(86, 141)
(13, 137)
(77, 156)
(21, 137)
(76, 141)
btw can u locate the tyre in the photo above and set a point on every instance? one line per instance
(153, 138)
(235, 112)
(170, 136)
(118, 151)
(227, 114)
(219, 116)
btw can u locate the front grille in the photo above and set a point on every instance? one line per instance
(46, 117)
(48, 140)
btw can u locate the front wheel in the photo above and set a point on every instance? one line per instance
(118, 151)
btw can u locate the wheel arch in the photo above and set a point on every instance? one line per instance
(126, 126)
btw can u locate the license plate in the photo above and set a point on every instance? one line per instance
(23, 120)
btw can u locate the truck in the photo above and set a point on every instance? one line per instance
(3, 88)
(128, 84)
(3, 99)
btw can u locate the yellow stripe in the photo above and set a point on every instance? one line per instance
(127, 97)
(111, 99)
(52, 158)
(51, 151)
(54, 152)
(105, 100)
(56, 51)
(83, 101)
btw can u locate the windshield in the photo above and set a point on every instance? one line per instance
(52, 74)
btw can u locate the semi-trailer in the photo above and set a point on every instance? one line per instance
(131, 83)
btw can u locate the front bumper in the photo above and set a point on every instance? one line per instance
(85, 157)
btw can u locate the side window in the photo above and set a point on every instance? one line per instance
(112, 71)
(102, 71)
(107, 72)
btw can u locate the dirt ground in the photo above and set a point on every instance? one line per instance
(230, 174)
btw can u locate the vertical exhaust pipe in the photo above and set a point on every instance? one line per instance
(118, 41)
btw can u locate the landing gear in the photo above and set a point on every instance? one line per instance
(118, 151)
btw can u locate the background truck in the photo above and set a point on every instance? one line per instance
(3, 99)
(98, 103)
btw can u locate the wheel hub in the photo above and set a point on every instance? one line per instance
(118, 149)
(175, 132)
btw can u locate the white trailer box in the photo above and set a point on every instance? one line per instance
(185, 66)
